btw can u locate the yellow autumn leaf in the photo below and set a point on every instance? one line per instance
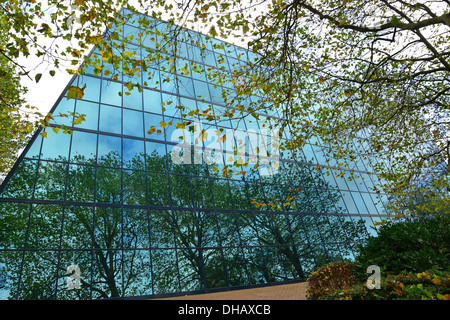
(436, 281)
(203, 135)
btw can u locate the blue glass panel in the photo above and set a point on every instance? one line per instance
(133, 123)
(158, 189)
(131, 31)
(51, 180)
(110, 93)
(55, 146)
(234, 64)
(230, 50)
(341, 183)
(183, 67)
(168, 82)
(64, 107)
(152, 101)
(170, 103)
(162, 231)
(35, 148)
(368, 181)
(80, 183)
(170, 129)
(380, 201)
(181, 191)
(133, 100)
(109, 181)
(251, 122)
(110, 119)
(92, 90)
(228, 230)
(155, 121)
(14, 228)
(359, 182)
(201, 90)
(186, 87)
(218, 46)
(222, 61)
(195, 53)
(369, 203)
(91, 111)
(142, 281)
(95, 60)
(134, 189)
(133, 151)
(164, 264)
(216, 93)
(149, 39)
(318, 152)
(198, 71)
(21, 183)
(151, 79)
(188, 105)
(84, 147)
(109, 151)
(360, 203)
(209, 58)
(167, 63)
(154, 148)
(348, 200)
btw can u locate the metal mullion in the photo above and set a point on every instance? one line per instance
(288, 223)
(326, 216)
(94, 207)
(262, 185)
(63, 215)
(147, 209)
(275, 186)
(220, 238)
(121, 184)
(192, 193)
(28, 225)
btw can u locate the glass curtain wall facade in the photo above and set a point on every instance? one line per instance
(107, 212)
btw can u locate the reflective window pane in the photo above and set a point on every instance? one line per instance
(84, 147)
(110, 93)
(152, 101)
(109, 151)
(92, 90)
(133, 123)
(110, 119)
(90, 110)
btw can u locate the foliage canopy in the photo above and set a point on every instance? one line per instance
(365, 78)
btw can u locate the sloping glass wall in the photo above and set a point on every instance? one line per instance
(111, 211)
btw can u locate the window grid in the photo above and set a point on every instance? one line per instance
(138, 210)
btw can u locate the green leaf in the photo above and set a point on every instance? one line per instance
(38, 77)
(52, 73)
(74, 92)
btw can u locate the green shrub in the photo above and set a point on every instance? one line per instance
(412, 245)
(432, 285)
(331, 277)
(402, 250)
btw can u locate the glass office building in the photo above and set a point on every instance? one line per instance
(109, 211)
